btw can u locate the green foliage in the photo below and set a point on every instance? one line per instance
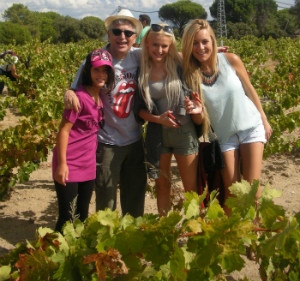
(69, 30)
(17, 13)
(10, 32)
(287, 21)
(259, 18)
(21, 24)
(295, 10)
(38, 97)
(205, 246)
(240, 29)
(235, 10)
(93, 27)
(181, 12)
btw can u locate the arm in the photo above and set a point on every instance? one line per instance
(62, 171)
(14, 72)
(241, 72)
(162, 119)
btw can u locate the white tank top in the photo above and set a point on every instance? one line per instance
(230, 110)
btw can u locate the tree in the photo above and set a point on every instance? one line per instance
(240, 29)
(93, 27)
(47, 26)
(287, 21)
(17, 13)
(69, 30)
(265, 13)
(235, 10)
(181, 12)
(10, 32)
(295, 10)
(261, 14)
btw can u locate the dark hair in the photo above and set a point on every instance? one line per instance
(146, 18)
(86, 74)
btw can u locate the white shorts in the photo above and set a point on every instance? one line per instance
(253, 135)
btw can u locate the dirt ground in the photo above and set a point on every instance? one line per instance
(33, 204)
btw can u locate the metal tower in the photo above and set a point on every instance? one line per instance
(221, 20)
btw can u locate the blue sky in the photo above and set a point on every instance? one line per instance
(103, 8)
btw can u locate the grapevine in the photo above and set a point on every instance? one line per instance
(190, 244)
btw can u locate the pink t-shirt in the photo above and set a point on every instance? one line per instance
(82, 143)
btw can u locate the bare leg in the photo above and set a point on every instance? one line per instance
(187, 165)
(163, 185)
(231, 172)
(251, 158)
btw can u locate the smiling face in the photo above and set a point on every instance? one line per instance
(121, 44)
(202, 46)
(99, 76)
(158, 46)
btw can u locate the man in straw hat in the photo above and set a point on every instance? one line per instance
(120, 153)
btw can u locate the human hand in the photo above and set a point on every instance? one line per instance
(223, 49)
(268, 130)
(61, 174)
(168, 120)
(193, 106)
(71, 101)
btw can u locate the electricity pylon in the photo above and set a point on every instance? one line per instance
(221, 20)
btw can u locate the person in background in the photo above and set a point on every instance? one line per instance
(8, 69)
(120, 152)
(170, 131)
(146, 21)
(233, 105)
(74, 157)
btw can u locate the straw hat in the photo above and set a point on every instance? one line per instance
(124, 14)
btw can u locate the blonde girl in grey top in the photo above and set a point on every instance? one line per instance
(161, 91)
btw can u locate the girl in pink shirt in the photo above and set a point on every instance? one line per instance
(74, 157)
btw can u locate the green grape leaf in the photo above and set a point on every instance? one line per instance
(177, 265)
(193, 209)
(269, 194)
(245, 196)
(270, 212)
(215, 210)
(232, 261)
(194, 225)
(5, 272)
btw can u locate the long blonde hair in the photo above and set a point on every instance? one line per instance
(191, 66)
(173, 60)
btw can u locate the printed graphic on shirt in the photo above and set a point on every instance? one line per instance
(123, 99)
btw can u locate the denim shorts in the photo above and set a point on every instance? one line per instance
(249, 136)
(180, 141)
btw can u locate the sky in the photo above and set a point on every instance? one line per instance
(104, 8)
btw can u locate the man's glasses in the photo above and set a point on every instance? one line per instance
(165, 28)
(117, 32)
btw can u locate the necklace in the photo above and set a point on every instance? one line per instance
(209, 80)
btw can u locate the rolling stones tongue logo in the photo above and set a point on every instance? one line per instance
(124, 98)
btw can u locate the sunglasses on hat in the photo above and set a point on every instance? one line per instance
(127, 33)
(165, 28)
